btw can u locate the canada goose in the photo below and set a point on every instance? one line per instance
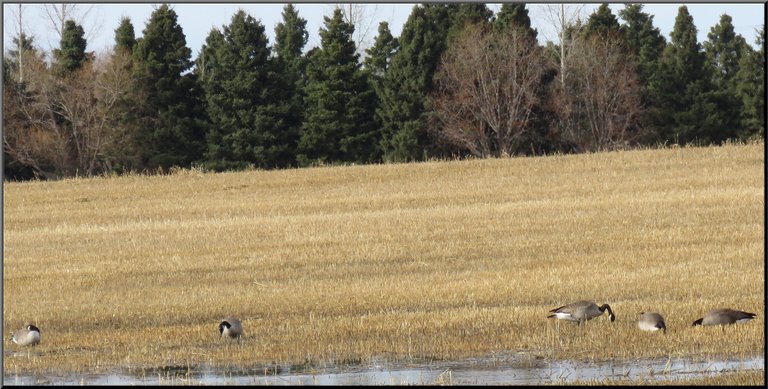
(724, 316)
(651, 321)
(231, 327)
(27, 336)
(581, 311)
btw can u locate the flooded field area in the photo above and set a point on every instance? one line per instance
(497, 370)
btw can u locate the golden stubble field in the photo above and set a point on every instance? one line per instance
(436, 260)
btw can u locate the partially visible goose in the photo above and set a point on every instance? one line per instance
(651, 321)
(27, 336)
(724, 316)
(231, 327)
(581, 311)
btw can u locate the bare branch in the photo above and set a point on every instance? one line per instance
(599, 106)
(486, 89)
(58, 14)
(363, 18)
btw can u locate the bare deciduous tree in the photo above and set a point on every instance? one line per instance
(599, 107)
(562, 18)
(30, 138)
(486, 89)
(20, 44)
(64, 125)
(363, 18)
(57, 14)
(115, 91)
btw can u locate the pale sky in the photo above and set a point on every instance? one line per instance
(197, 20)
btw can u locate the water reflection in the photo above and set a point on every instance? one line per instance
(489, 371)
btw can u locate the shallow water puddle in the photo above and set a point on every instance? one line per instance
(465, 372)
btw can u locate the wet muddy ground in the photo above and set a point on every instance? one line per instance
(495, 370)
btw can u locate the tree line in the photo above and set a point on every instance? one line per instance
(459, 81)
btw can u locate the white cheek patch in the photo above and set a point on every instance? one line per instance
(743, 320)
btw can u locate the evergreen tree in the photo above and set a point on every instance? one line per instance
(642, 39)
(462, 14)
(681, 87)
(514, 15)
(207, 59)
(645, 45)
(338, 125)
(124, 156)
(750, 88)
(71, 54)
(290, 38)
(171, 127)
(602, 22)
(27, 44)
(240, 90)
(404, 105)
(124, 36)
(723, 51)
(379, 56)
(22, 44)
(290, 35)
(377, 61)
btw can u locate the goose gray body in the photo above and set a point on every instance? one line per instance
(231, 327)
(27, 336)
(581, 311)
(651, 321)
(722, 316)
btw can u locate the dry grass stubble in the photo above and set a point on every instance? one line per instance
(429, 260)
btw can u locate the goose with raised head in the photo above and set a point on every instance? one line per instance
(651, 321)
(581, 311)
(27, 336)
(720, 316)
(231, 327)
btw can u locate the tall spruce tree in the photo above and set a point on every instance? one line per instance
(643, 40)
(171, 128)
(21, 43)
(750, 88)
(514, 15)
(70, 56)
(681, 87)
(403, 108)
(602, 22)
(338, 125)
(291, 34)
(645, 45)
(379, 56)
(124, 35)
(208, 57)
(241, 95)
(462, 14)
(290, 38)
(723, 50)
(377, 61)
(124, 116)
